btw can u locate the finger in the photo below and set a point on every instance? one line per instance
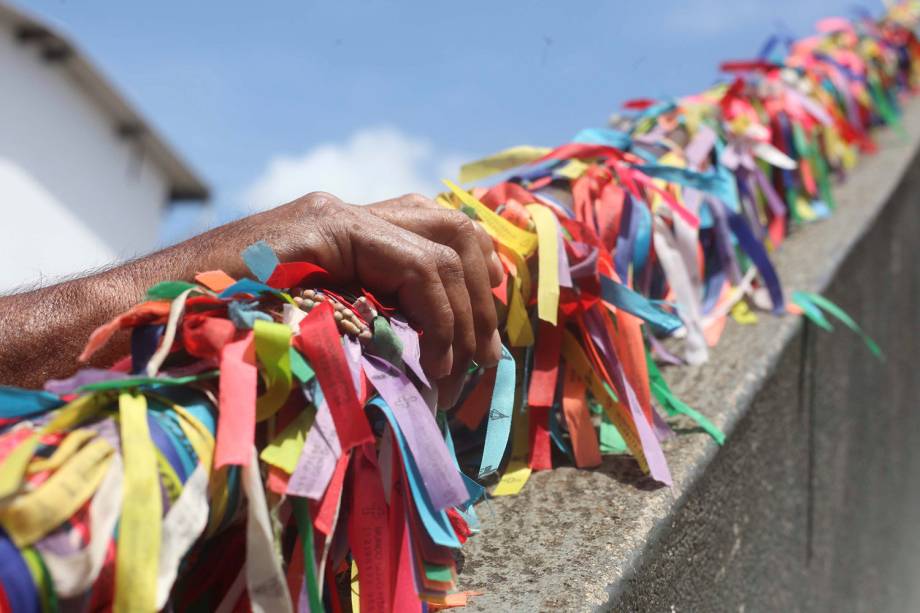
(387, 259)
(496, 269)
(447, 229)
(457, 231)
(450, 268)
(426, 277)
(417, 201)
(430, 291)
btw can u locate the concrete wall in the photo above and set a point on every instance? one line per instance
(813, 502)
(73, 194)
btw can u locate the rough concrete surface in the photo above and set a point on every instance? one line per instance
(812, 504)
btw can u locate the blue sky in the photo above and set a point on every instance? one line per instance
(369, 99)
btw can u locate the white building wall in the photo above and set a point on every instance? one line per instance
(73, 194)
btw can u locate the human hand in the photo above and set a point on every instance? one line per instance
(439, 265)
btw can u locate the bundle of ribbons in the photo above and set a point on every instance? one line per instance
(272, 443)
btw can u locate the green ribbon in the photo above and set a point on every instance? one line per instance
(169, 290)
(386, 344)
(300, 367)
(611, 441)
(887, 112)
(436, 572)
(305, 528)
(120, 384)
(811, 303)
(674, 405)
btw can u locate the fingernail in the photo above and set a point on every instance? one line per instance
(495, 351)
(496, 262)
(445, 364)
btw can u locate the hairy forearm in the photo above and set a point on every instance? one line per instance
(43, 331)
(435, 263)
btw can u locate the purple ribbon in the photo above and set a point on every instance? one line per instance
(83, 377)
(317, 459)
(442, 481)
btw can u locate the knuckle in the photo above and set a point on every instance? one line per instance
(317, 202)
(320, 198)
(443, 333)
(426, 268)
(414, 199)
(463, 225)
(448, 262)
(469, 233)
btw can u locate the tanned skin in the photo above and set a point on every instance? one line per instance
(437, 264)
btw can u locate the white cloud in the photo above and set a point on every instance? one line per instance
(372, 164)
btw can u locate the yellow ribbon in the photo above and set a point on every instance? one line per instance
(518, 471)
(499, 228)
(548, 257)
(284, 450)
(138, 553)
(503, 160)
(273, 349)
(68, 447)
(30, 517)
(67, 417)
(578, 362)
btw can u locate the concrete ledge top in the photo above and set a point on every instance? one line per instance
(573, 538)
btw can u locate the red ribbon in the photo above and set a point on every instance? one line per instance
(320, 342)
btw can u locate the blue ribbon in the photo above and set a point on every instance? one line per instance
(436, 522)
(498, 426)
(247, 286)
(261, 260)
(755, 250)
(16, 578)
(635, 303)
(719, 184)
(244, 314)
(604, 136)
(144, 343)
(16, 403)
